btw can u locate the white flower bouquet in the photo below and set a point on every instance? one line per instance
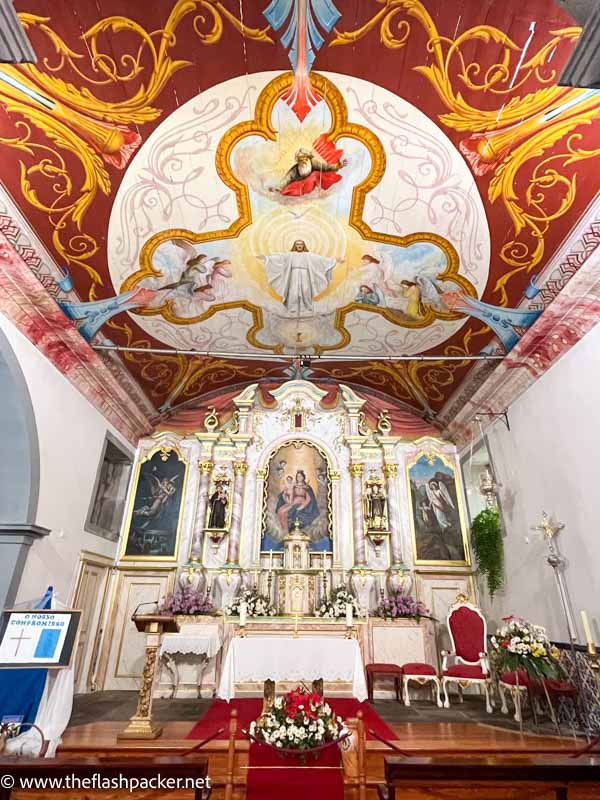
(299, 721)
(257, 605)
(520, 645)
(335, 606)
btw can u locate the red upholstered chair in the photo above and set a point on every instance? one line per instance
(552, 689)
(383, 669)
(516, 684)
(468, 634)
(422, 674)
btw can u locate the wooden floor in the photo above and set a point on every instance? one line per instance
(421, 738)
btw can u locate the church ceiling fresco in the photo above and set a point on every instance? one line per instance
(356, 179)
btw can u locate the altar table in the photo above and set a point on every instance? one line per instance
(192, 640)
(260, 658)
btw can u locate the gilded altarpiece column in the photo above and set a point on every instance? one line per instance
(233, 550)
(356, 473)
(199, 522)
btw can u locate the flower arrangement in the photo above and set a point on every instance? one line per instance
(300, 720)
(335, 606)
(186, 601)
(520, 645)
(257, 605)
(399, 606)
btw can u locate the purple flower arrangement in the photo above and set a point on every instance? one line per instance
(186, 601)
(398, 606)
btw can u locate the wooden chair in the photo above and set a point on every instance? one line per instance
(468, 634)
(383, 669)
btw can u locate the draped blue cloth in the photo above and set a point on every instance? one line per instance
(21, 690)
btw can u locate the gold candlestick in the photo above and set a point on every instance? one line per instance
(296, 618)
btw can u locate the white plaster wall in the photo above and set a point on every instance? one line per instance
(71, 434)
(550, 461)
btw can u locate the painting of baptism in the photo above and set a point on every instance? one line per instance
(297, 495)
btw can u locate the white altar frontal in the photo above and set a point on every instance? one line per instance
(290, 490)
(285, 659)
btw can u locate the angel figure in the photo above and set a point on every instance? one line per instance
(161, 492)
(440, 502)
(199, 271)
(431, 294)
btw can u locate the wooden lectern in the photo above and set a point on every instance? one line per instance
(140, 726)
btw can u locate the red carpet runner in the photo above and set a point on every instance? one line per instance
(270, 775)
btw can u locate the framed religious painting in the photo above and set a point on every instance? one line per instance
(437, 519)
(297, 494)
(156, 507)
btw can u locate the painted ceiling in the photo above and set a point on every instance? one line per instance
(346, 180)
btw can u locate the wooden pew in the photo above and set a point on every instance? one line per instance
(463, 776)
(141, 768)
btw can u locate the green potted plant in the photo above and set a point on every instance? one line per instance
(486, 536)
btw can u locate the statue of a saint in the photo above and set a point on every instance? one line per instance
(217, 505)
(375, 507)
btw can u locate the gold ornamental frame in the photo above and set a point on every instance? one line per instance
(262, 126)
(297, 443)
(461, 514)
(164, 450)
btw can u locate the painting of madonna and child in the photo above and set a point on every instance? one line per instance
(436, 517)
(297, 488)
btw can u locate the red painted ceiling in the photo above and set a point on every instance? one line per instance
(483, 72)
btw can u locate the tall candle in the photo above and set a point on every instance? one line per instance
(349, 614)
(243, 613)
(587, 629)
(270, 561)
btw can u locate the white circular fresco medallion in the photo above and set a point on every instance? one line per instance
(239, 229)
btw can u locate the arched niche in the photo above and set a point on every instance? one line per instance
(20, 462)
(266, 464)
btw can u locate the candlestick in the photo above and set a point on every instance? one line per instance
(296, 618)
(270, 561)
(588, 634)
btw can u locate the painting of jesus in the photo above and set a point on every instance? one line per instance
(299, 276)
(297, 496)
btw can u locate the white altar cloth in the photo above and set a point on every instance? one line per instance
(207, 643)
(259, 658)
